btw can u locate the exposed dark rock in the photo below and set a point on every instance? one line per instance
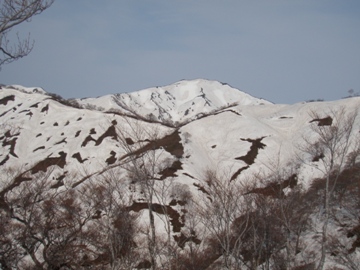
(112, 159)
(39, 148)
(110, 132)
(12, 143)
(170, 143)
(45, 109)
(129, 141)
(50, 161)
(79, 158)
(276, 189)
(4, 160)
(251, 155)
(171, 171)
(87, 139)
(60, 142)
(5, 100)
(327, 121)
(238, 172)
(189, 175)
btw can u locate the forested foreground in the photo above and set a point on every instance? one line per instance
(129, 218)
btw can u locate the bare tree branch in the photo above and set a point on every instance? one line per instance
(13, 13)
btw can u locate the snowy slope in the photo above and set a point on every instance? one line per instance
(178, 102)
(222, 129)
(42, 127)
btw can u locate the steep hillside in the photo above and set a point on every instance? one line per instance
(124, 142)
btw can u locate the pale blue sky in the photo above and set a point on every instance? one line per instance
(285, 51)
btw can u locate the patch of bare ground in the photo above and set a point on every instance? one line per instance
(5, 112)
(170, 143)
(12, 144)
(45, 109)
(10, 139)
(112, 159)
(24, 111)
(238, 172)
(189, 175)
(129, 141)
(78, 157)
(5, 100)
(88, 139)
(177, 221)
(39, 148)
(60, 142)
(4, 160)
(110, 132)
(171, 171)
(276, 189)
(250, 156)
(327, 121)
(50, 161)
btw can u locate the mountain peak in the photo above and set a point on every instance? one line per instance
(180, 101)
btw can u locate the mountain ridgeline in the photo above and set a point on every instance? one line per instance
(194, 175)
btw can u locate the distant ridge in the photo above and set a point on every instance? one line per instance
(180, 101)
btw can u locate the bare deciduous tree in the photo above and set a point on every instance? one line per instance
(225, 215)
(115, 226)
(334, 140)
(13, 13)
(143, 160)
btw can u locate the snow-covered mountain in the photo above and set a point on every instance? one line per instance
(189, 126)
(181, 101)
